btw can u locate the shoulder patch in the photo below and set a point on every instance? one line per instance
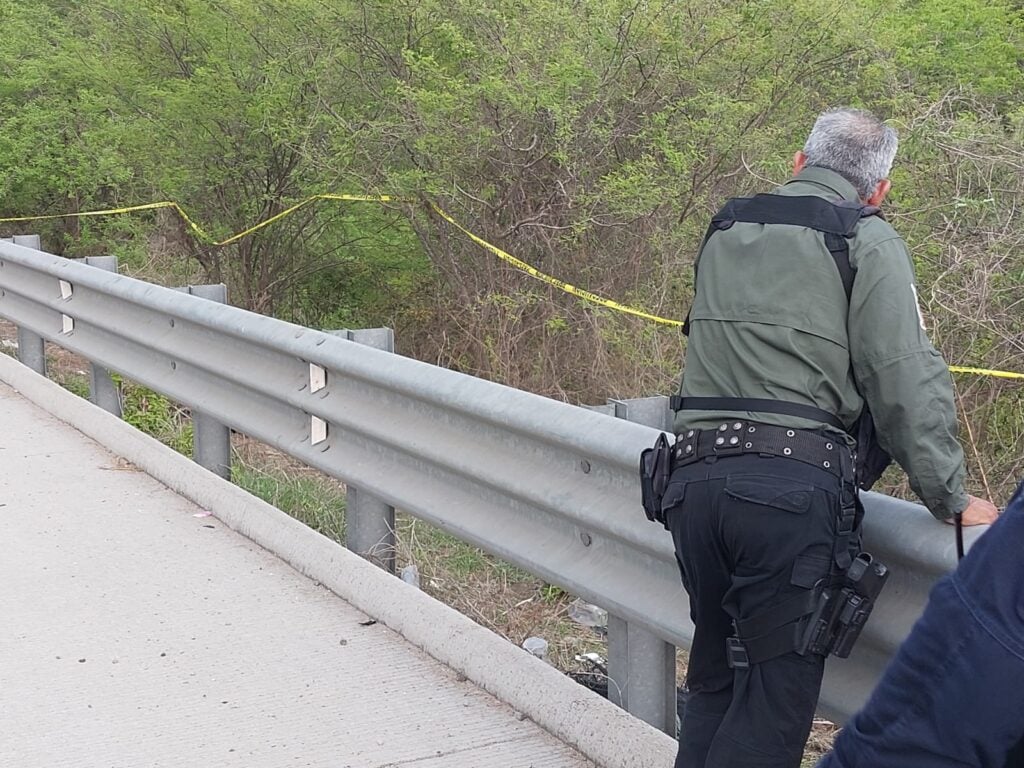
(917, 304)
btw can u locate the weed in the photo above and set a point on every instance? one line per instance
(76, 384)
(549, 593)
(314, 500)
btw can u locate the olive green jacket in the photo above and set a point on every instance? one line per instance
(770, 319)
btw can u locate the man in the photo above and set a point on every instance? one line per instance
(805, 312)
(954, 694)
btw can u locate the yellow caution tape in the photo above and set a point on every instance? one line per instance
(195, 227)
(534, 272)
(503, 255)
(110, 211)
(307, 201)
(986, 372)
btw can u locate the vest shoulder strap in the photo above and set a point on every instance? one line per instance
(838, 217)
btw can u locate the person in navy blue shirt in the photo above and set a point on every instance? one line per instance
(953, 696)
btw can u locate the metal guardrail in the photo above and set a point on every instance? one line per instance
(547, 486)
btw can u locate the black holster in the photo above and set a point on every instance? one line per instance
(872, 460)
(655, 471)
(843, 608)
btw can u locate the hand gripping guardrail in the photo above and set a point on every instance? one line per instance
(550, 487)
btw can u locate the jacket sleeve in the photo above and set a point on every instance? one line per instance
(904, 379)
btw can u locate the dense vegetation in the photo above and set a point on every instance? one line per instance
(590, 138)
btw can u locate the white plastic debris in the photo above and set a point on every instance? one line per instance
(537, 646)
(594, 659)
(411, 575)
(587, 614)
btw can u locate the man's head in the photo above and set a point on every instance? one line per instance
(856, 145)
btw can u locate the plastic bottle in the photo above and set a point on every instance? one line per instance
(587, 614)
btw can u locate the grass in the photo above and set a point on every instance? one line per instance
(823, 733)
(496, 594)
(75, 384)
(312, 500)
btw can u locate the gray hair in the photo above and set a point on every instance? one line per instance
(855, 144)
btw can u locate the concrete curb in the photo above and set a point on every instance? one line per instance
(594, 726)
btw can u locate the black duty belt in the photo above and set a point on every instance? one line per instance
(738, 437)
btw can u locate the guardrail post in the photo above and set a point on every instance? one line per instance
(211, 440)
(102, 389)
(641, 665)
(31, 347)
(370, 522)
(618, 660)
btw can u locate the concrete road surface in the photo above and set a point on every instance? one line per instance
(135, 631)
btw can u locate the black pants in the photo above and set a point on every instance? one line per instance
(750, 532)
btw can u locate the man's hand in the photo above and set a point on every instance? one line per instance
(978, 512)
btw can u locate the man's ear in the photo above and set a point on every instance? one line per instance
(799, 161)
(881, 190)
